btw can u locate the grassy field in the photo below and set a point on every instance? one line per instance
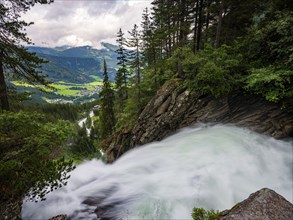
(95, 84)
(75, 89)
(68, 89)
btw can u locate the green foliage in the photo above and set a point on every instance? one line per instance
(14, 58)
(52, 111)
(272, 83)
(128, 117)
(176, 43)
(83, 145)
(88, 122)
(202, 214)
(210, 71)
(121, 78)
(30, 149)
(107, 117)
(270, 41)
(212, 79)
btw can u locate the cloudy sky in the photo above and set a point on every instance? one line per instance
(82, 22)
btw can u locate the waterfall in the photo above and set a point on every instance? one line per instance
(209, 166)
(82, 121)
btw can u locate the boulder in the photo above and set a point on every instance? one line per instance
(264, 204)
(59, 217)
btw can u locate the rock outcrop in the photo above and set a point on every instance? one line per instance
(264, 204)
(59, 217)
(174, 107)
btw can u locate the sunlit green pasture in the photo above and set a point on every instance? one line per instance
(66, 89)
(95, 84)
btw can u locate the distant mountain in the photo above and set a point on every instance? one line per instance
(77, 64)
(70, 69)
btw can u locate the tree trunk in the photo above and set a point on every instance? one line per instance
(195, 26)
(219, 25)
(138, 80)
(199, 26)
(3, 90)
(182, 31)
(208, 15)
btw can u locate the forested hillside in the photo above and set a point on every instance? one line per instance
(216, 48)
(76, 64)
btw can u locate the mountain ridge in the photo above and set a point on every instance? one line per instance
(76, 64)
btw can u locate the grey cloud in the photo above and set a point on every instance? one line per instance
(88, 21)
(61, 9)
(99, 7)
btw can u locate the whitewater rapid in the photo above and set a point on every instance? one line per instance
(207, 166)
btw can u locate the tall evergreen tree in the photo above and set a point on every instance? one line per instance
(160, 31)
(107, 118)
(146, 36)
(122, 73)
(14, 58)
(134, 58)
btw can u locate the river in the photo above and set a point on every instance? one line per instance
(213, 167)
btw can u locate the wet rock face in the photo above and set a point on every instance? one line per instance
(264, 204)
(174, 107)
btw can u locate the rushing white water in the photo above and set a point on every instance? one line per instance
(206, 166)
(81, 122)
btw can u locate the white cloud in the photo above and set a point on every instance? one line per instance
(82, 22)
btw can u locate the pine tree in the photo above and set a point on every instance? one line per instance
(134, 58)
(146, 36)
(107, 118)
(14, 58)
(122, 73)
(219, 24)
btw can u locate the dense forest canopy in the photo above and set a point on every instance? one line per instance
(216, 47)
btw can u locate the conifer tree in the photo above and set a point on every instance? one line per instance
(146, 36)
(122, 73)
(14, 58)
(134, 58)
(107, 118)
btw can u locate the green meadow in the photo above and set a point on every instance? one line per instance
(67, 89)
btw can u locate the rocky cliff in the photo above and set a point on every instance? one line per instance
(174, 107)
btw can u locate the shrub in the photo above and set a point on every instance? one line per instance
(202, 214)
(29, 149)
(272, 83)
